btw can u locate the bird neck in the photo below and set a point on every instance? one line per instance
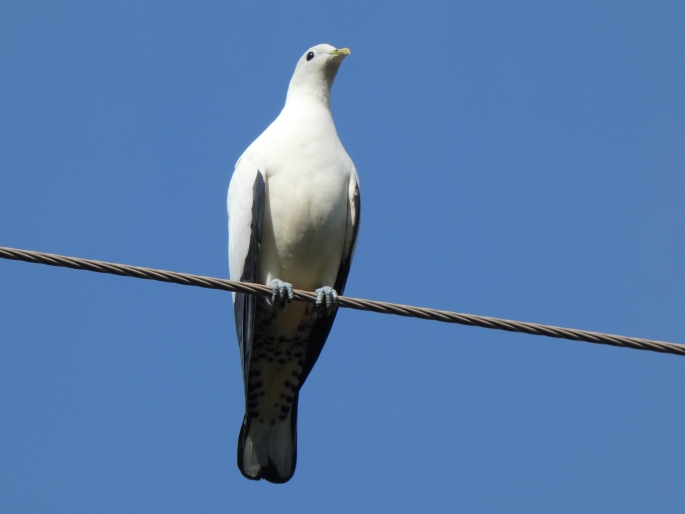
(308, 99)
(307, 89)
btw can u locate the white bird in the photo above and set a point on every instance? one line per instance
(294, 210)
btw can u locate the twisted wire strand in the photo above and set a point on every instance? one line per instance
(361, 304)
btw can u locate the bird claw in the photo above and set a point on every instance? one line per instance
(326, 301)
(282, 292)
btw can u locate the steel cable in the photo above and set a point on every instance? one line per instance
(188, 279)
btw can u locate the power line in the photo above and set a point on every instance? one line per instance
(187, 279)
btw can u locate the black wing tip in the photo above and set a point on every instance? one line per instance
(268, 472)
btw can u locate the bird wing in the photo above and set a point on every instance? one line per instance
(246, 197)
(323, 325)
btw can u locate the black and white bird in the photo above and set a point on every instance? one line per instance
(294, 210)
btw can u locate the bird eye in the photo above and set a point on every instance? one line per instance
(310, 56)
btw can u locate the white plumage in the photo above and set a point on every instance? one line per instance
(294, 208)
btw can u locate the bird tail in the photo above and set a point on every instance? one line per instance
(268, 451)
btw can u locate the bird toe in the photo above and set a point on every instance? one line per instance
(281, 292)
(326, 300)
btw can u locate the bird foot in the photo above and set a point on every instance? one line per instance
(326, 301)
(282, 292)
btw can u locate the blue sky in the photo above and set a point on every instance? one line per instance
(517, 159)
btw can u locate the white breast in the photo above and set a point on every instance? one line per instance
(304, 229)
(308, 175)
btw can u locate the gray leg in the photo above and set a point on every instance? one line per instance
(326, 301)
(282, 292)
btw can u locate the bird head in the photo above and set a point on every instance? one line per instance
(315, 72)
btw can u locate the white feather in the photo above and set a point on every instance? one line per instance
(308, 223)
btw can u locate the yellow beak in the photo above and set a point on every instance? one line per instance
(340, 51)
